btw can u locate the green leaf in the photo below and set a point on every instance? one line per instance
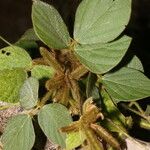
(51, 118)
(11, 82)
(49, 26)
(135, 63)
(28, 40)
(14, 57)
(127, 84)
(19, 133)
(100, 58)
(42, 71)
(100, 21)
(29, 35)
(29, 93)
(74, 139)
(112, 112)
(91, 88)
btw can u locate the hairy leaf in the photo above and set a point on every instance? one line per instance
(49, 25)
(127, 84)
(11, 82)
(100, 58)
(42, 71)
(19, 133)
(14, 57)
(51, 118)
(100, 21)
(29, 93)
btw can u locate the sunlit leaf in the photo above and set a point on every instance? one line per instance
(11, 82)
(19, 134)
(51, 118)
(29, 93)
(100, 21)
(49, 25)
(127, 85)
(42, 71)
(14, 57)
(74, 139)
(100, 58)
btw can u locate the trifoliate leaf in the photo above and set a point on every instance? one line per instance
(49, 25)
(100, 58)
(135, 63)
(19, 133)
(42, 71)
(51, 118)
(74, 139)
(11, 82)
(100, 21)
(29, 93)
(127, 84)
(14, 57)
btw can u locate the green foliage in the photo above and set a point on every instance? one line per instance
(49, 26)
(90, 65)
(127, 85)
(11, 82)
(42, 71)
(100, 58)
(135, 63)
(14, 57)
(100, 21)
(28, 40)
(29, 93)
(74, 139)
(51, 118)
(19, 133)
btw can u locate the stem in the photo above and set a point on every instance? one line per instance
(5, 41)
(127, 135)
(45, 98)
(92, 139)
(144, 124)
(136, 112)
(105, 136)
(137, 106)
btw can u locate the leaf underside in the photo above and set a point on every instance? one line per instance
(29, 93)
(127, 84)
